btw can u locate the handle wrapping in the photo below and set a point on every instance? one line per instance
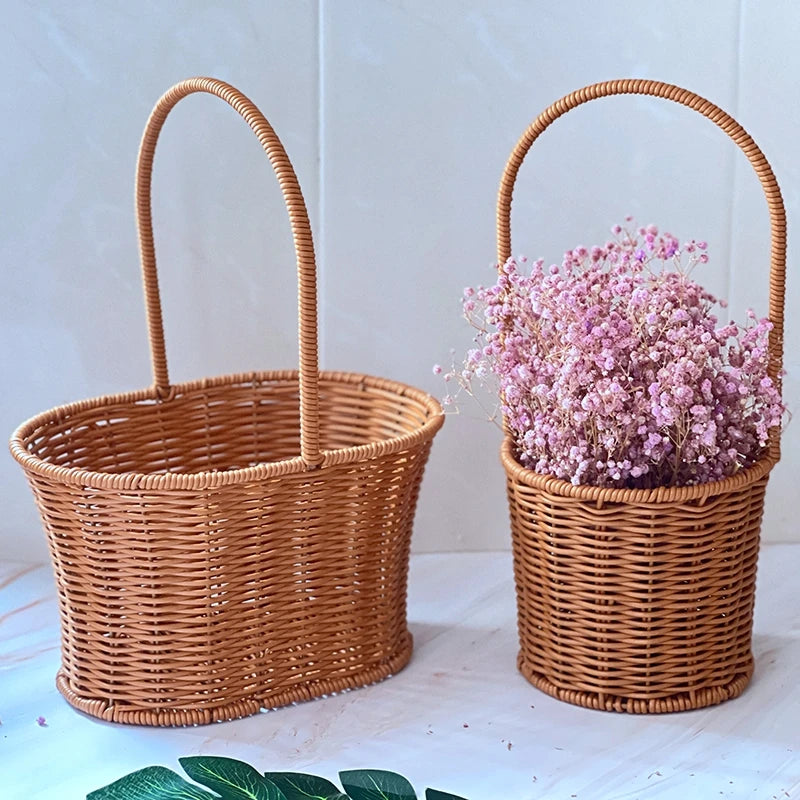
(772, 192)
(301, 234)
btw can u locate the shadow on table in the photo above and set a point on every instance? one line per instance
(424, 632)
(774, 653)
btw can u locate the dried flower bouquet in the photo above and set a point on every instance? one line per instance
(613, 370)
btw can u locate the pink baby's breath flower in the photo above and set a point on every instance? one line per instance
(611, 369)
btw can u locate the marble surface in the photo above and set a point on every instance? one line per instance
(458, 718)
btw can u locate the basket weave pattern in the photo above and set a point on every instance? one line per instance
(233, 543)
(640, 600)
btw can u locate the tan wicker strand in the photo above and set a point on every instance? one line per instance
(762, 168)
(301, 233)
(234, 543)
(640, 600)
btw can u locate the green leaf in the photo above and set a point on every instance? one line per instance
(299, 786)
(232, 779)
(151, 783)
(375, 784)
(435, 794)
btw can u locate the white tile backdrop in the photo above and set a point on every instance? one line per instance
(399, 116)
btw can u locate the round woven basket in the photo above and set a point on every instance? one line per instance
(235, 543)
(640, 600)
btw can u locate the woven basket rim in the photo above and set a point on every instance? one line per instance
(205, 479)
(662, 494)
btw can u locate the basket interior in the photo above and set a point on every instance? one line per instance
(229, 426)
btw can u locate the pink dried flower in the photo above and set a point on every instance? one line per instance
(611, 370)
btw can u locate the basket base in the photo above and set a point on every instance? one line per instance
(683, 701)
(243, 707)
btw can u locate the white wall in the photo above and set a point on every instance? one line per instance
(399, 117)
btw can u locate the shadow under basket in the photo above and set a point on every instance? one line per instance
(268, 585)
(641, 600)
(237, 543)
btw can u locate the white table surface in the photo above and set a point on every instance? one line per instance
(459, 718)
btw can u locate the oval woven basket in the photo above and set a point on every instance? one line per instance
(640, 600)
(235, 543)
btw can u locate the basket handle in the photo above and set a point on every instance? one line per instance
(301, 234)
(777, 212)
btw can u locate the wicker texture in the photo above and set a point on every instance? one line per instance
(640, 600)
(234, 543)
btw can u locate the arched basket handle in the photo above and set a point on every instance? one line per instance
(301, 233)
(777, 212)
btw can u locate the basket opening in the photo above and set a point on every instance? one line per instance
(222, 427)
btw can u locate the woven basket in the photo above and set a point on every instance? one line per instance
(234, 543)
(640, 600)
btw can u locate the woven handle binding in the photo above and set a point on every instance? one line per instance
(301, 233)
(777, 213)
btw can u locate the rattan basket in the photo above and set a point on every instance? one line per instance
(235, 543)
(640, 600)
